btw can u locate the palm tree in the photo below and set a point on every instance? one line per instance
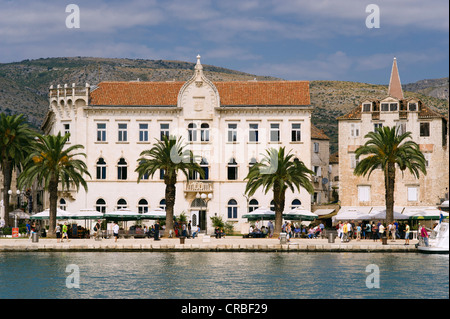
(278, 172)
(387, 149)
(170, 156)
(52, 163)
(15, 138)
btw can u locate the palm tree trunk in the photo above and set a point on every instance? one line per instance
(53, 191)
(278, 199)
(170, 203)
(389, 192)
(7, 178)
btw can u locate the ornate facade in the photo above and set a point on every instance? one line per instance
(227, 124)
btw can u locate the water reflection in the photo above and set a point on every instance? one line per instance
(222, 275)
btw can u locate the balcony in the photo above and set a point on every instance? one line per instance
(198, 187)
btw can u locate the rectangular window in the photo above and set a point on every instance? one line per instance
(296, 133)
(364, 193)
(164, 129)
(67, 131)
(354, 130)
(377, 125)
(253, 133)
(401, 128)
(122, 132)
(101, 132)
(425, 129)
(232, 132)
(366, 107)
(412, 107)
(393, 107)
(274, 132)
(412, 194)
(143, 132)
(353, 161)
(316, 147)
(385, 107)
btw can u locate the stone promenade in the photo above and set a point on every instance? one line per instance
(205, 243)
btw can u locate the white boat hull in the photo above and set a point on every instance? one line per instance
(432, 250)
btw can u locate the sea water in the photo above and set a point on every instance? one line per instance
(224, 275)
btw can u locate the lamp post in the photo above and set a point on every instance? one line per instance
(10, 192)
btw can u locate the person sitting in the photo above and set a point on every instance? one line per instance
(218, 232)
(196, 230)
(265, 231)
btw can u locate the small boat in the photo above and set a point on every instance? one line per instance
(438, 245)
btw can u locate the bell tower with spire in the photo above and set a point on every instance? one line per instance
(395, 86)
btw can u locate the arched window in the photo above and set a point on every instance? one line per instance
(192, 132)
(122, 169)
(232, 209)
(204, 132)
(232, 170)
(62, 204)
(101, 168)
(272, 205)
(252, 205)
(142, 206)
(162, 204)
(296, 203)
(205, 166)
(100, 205)
(122, 203)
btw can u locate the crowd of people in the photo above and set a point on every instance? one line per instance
(375, 230)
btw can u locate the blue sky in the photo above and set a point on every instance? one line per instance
(290, 39)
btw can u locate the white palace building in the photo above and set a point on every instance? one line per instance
(229, 125)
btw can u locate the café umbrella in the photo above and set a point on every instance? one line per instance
(123, 214)
(60, 214)
(262, 213)
(157, 213)
(300, 213)
(87, 213)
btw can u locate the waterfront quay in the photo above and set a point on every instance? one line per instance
(207, 244)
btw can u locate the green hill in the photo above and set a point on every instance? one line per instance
(24, 85)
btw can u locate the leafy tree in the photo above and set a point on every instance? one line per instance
(170, 156)
(278, 172)
(52, 163)
(15, 139)
(387, 149)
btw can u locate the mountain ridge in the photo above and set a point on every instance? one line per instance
(24, 85)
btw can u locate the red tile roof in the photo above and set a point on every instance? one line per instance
(317, 133)
(236, 93)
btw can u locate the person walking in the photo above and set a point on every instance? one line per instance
(407, 230)
(189, 230)
(368, 231)
(64, 231)
(116, 229)
(393, 231)
(97, 228)
(381, 229)
(424, 235)
(58, 233)
(157, 230)
(271, 228)
(358, 233)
